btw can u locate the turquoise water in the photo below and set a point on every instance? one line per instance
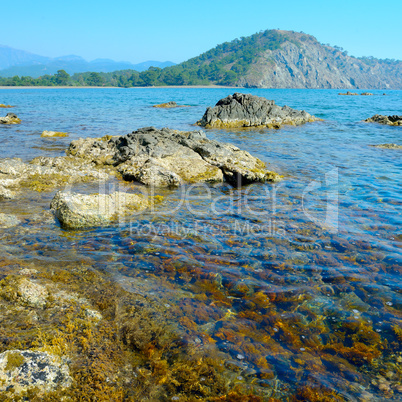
(305, 274)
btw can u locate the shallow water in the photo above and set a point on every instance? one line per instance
(298, 283)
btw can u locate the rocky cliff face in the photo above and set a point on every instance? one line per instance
(305, 63)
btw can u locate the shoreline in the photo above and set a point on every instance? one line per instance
(185, 87)
(106, 87)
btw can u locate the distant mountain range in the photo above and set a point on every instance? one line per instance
(18, 62)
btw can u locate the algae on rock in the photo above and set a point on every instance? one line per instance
(165, 157)
(393, 120)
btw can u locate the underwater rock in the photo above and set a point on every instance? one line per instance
(8, 221)
(164, 157)
(245, 110)
(53, 134)
(387, 120)
(10, 118)
(348, 93)
(76, 211)
(31, 293)
(23, 370)
(2, 105)
(387, 146)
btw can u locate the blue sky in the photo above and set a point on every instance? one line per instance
(177, 30)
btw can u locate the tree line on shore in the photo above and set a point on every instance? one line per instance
(225, 64)
(222, 65)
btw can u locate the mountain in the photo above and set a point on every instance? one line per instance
(284, 59)
(13, 57)
(18, 62)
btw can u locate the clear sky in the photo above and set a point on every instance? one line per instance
(172, 30)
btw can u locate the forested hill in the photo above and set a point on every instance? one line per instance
(284, 59)
(269, 59)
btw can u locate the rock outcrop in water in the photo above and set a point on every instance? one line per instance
(10, 118)
(245, 110)
(76, 211)
(387, 146)
(150, 156)
(167, 105)
(169, 157)
(387, 120)
(52, 134)
(349, 93)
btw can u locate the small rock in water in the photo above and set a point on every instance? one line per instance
(387, 146)
(10, 118)
(393, 120)
(53, 134)
(167, 105)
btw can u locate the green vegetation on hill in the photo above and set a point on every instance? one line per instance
(222, 65)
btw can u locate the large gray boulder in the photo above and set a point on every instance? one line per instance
(394, 120)
(164, 157)
(10, 118)
(76, 211)
(245, 110)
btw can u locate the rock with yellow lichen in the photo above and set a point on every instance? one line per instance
(10, 118)
(52, 134)
(394, 120)
(165, 157)
(387, 146)
(245, 110)
(76, 211)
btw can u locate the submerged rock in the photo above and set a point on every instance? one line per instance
(164, 157)
(76, 211)
(366, 94)
(387, 146)
(25, 370)
(53, 134)
(387, 120)
(10, 118)
(245, 110)
(8, 221)
(32, 294)
(2, 105)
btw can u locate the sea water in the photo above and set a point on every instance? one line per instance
(304, 274)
